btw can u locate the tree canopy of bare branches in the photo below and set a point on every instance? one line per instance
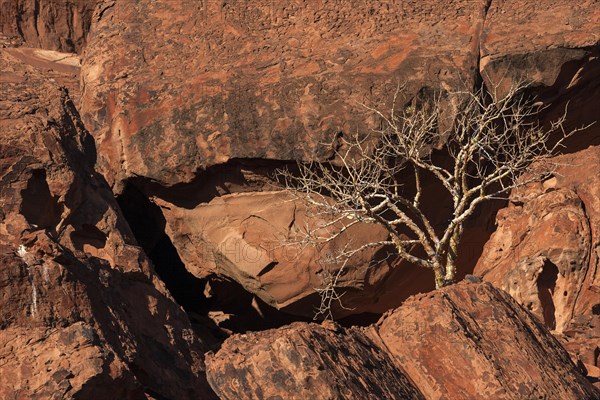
(490, 143)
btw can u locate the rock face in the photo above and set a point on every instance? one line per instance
(195, 95)
(60, 68)
(256, 239)
(535, 41)
(546, 251)
(268, 81)
(474, 341)
(305, 360)
(467, 341)
(193, 105)
(272, 82)
(51, 24)
(554, 46)
(265, 83)
(82, 313)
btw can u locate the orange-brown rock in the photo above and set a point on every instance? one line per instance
(257, 240)
(275, 80)
(302, 361)
(466, 341)
(48, 181)
(474, 341)
(59, 68)
(522, 40)
(72, 326)
(267, 80)
(82, 314)
(60, 25)
(546, 250)
(554, 46)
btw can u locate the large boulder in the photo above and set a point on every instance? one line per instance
(74, 327)
(258, 239)
(267, 80)
(82, 314)
(474, 341)
(467, 341)
(304, 360)
(546, 251)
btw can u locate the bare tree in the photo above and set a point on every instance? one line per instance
(489, 144)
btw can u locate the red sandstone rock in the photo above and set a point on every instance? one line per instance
(60, 68)
(272, 82)
(269, 80)
(250, 237)
(474, 341)
(82, 314)
(466, 341)
(256, 239)
(546, 250)
(553, 45)
(528, 40)
(60, 25)
(302, 361)
(270, 93)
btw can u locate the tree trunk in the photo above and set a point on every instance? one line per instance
(438, 271)
(450, 276)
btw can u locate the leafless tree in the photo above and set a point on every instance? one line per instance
(490, 143)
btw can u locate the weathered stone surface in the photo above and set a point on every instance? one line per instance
(60, 25)
(263, 83)
(546, 250)
(257, 240)
(175, 88)
(554, 46)
(60, 68)
(582, 343)
(74, 327)
(303, 361)
(466, 341)
(82, 314)
(474, 341)
(535, 40)
(268, 80)
(48, 182)
(233, 223)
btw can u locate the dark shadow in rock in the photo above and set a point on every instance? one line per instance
(90, 235)
(576, 89)
(546, 283)
(148, 225)
(39, 207)
(233, 176)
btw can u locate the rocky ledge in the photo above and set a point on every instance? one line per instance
(467, 341)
